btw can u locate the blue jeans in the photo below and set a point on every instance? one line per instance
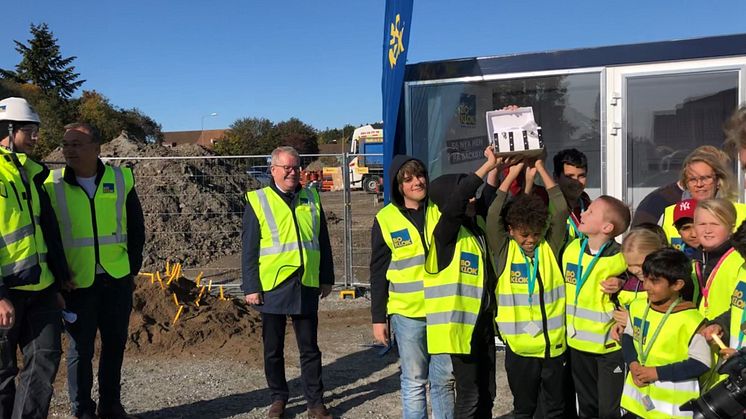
(418, 367)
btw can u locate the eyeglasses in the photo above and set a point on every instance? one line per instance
(705, 180)
(288, 169)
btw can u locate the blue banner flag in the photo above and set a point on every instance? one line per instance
(396, 29)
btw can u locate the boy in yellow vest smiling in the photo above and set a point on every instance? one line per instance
(530, 292)
(400, 236)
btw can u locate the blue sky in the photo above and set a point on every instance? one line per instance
(319, 61)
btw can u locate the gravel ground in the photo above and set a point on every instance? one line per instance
(359, 383)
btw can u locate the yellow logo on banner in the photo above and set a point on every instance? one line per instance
(396, 42)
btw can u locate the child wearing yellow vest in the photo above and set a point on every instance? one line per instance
(595, 358)
(731, 325)
(717, 262)
(639, 242)
(661, 346)
(530, 292)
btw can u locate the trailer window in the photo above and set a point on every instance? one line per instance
(448, 127)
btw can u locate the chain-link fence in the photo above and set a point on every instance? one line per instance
(193, 207)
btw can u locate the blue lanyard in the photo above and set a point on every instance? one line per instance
(581, 279)
(533, 268)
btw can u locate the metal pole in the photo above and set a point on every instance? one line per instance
(347, 219)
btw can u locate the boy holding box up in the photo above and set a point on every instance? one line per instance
(596, 360)
(530, 292)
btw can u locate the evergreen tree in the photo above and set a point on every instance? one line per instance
(42, 65)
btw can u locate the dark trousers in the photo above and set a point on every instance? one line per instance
(530, 377)
(273, 335)
(599, 381)
(475, 376)
(37, 329)
(105, 306)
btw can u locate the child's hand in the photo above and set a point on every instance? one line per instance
(647, 374)
(708, 331)
(634, 369)
(727, 352)
(515, 169)
(620, 316)
(611, 285)
(616, 331)
(492, 159)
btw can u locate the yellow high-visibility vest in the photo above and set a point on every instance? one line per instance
(289, 238)
(22, 244)
(723, 278)
(93, 226)
(519, 314)
(670, 346)
(406, 270)
(453, 296)
(589, 313)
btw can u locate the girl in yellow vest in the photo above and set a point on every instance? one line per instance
(661, 346)
(639, 242)
(731, 325)
(530, 293)
(716, 265)
(717, 262)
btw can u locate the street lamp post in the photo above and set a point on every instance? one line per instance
(202, 125)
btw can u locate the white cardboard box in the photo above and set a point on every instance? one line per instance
(514, 132)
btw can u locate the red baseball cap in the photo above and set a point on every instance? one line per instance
(684, 209)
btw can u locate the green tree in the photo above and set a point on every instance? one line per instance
(95, 109)
(247, 136)
(141, 126)
(42, 64)
(297, 134)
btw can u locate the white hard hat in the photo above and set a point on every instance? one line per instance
(17, 109)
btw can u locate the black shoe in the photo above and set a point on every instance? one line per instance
(86, 415)
(116, 412)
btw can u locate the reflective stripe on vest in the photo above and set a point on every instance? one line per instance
(520, 321)
(591, 319)
(75, 217)
(406, 269)
(289, 238)
(671, 346)
(453, 296)
(22, 244)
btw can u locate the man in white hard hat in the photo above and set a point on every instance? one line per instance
(33, 269)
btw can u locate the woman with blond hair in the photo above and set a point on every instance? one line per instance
(706, 174)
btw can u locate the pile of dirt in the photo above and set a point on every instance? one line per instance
(192, 207)
(228, 327)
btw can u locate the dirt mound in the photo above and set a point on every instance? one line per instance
(228, 326)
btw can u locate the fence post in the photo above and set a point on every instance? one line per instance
(347, 219)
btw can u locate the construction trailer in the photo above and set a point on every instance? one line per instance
(635, 110)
